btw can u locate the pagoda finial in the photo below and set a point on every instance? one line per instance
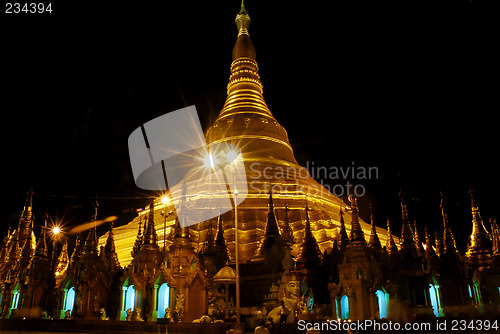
(242, 20)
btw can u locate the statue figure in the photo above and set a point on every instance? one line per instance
(67, 315)
(103, 315)
(129, 315)
(179, 304)
(136, 315)
(303, 312)
(168, 313)
(292, 297)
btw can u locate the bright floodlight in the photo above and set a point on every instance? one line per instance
(56, 230)
(209, 161)
(165, 200)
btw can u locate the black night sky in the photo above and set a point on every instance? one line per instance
(410, 89)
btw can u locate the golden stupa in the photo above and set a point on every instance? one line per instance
(246, 121)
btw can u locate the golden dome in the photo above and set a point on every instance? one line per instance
(225, 275)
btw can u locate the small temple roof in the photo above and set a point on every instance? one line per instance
(225, 275)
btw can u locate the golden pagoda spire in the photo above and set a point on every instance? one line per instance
(416, 236)
(41, 247)
(407, 237)
(245, 120)
(391, 245)
(449, 244)
(272, 236)
(26, 220)
(343, 238)
(479, 247)
(309, 252)
(357, 236)
(150, 236)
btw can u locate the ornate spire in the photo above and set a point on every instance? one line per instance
(150, 236)
(479, 244)
(309, 253)
(343, 238)
(26, 251)
(110, 241)
(272, 225)
(28, 206)
(26, 220)
(41, 247)
(109, 248)
(272, 236)
(449, 244)
(416, 236)
(407, 238)
(242, 20)
(90, 246)
(220, 242)
(357, 236)
(219, 239)
(77, 250)
(62, 260)
(374, 240)
(391, 245)
(138, 239)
